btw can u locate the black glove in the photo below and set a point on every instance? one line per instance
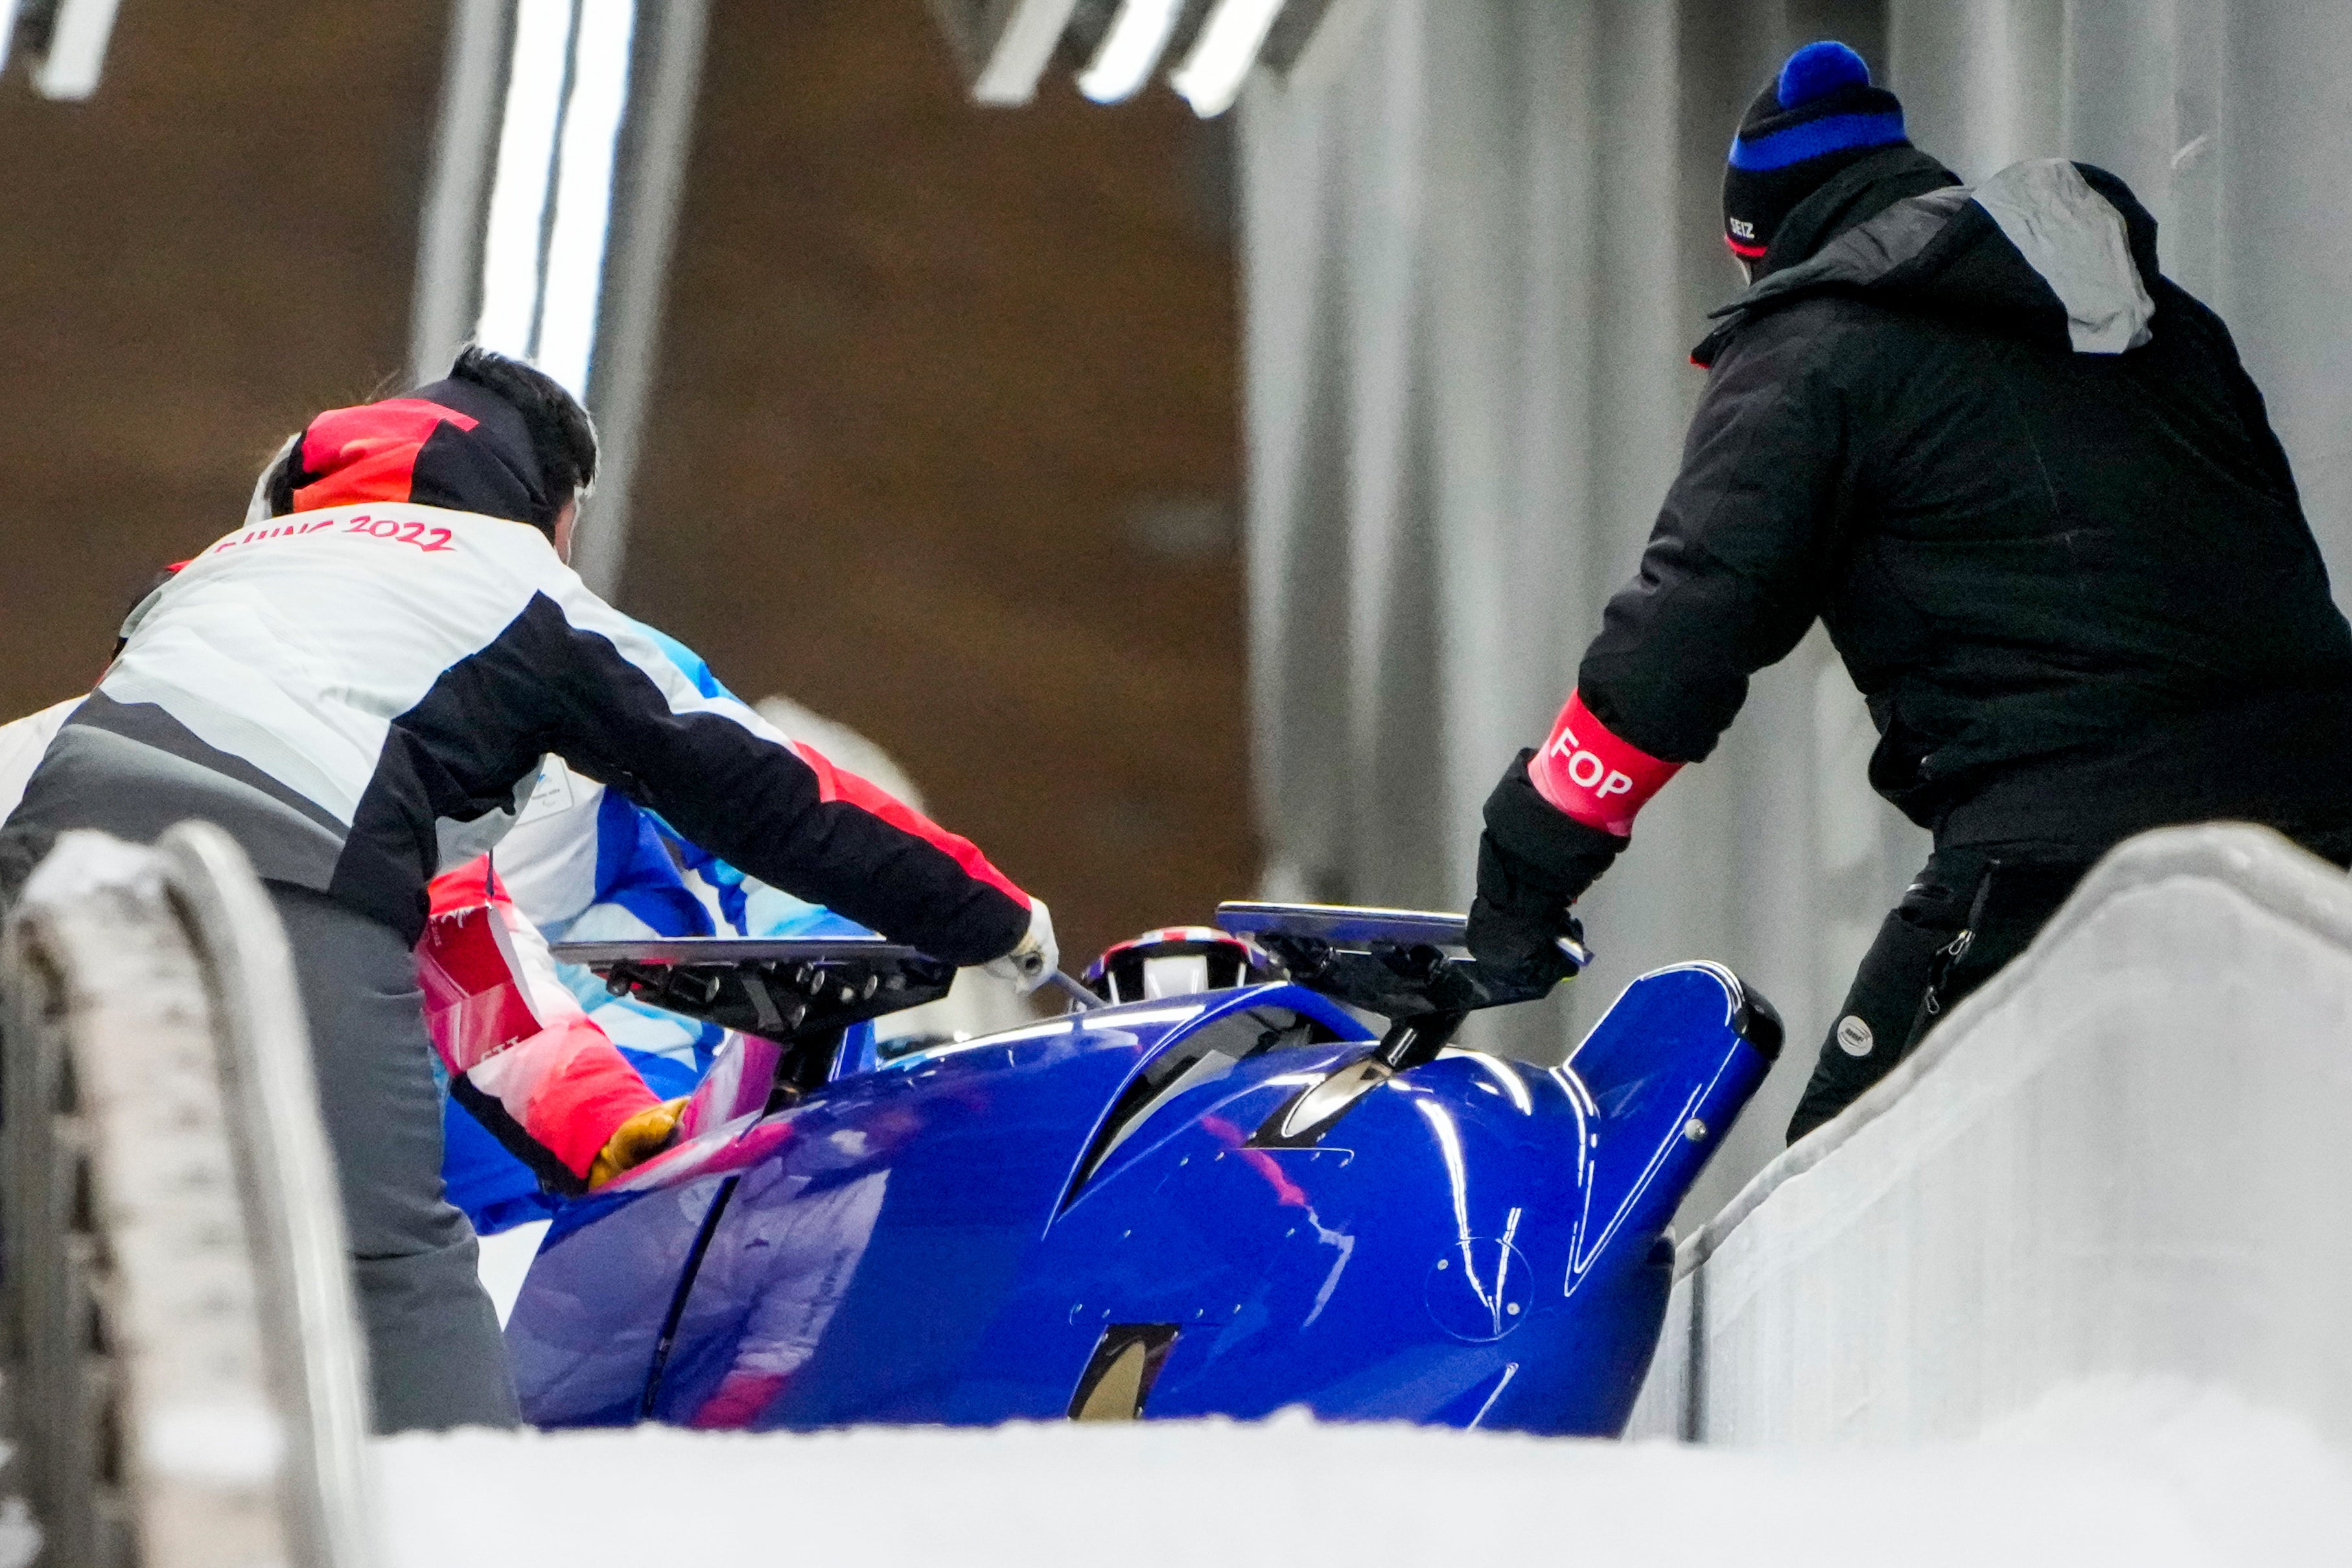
(1534, 861)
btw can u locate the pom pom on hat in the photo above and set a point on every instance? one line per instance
(1818, 70)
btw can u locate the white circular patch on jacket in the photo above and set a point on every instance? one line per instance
(1853, 1036)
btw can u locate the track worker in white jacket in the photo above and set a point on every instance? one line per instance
(361, 689)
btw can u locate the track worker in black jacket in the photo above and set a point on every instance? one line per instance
(2022, 478)
(361, 686)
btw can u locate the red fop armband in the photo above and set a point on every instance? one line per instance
(1591, 775)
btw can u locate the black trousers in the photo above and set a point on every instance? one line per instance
(1971, 911)
(435, 1357)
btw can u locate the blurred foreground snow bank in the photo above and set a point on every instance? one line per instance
(2150, 1473)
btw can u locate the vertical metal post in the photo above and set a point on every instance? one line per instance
(649, 177)
(449, 240)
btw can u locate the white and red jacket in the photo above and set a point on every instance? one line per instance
(361, 689)
(361, 693)
(522, 1056)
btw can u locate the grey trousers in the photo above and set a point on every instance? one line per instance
(436, 1356)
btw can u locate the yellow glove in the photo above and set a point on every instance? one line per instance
(635, 1140)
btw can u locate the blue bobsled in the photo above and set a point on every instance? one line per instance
(1224, 1202)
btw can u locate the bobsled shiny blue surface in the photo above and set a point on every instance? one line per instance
(1219, 1203)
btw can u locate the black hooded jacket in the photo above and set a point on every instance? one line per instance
(2023, 480)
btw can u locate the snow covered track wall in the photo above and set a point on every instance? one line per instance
(184, 1365)
(2126, 1155)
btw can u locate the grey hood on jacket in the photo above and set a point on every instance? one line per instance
(2056, 252)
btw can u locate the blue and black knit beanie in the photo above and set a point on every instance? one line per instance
(1819, 115)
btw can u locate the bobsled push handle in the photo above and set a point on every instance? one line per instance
(1353, 925)
(1348, 925)
(800, 993)
(1082, 996)
(1411, 966)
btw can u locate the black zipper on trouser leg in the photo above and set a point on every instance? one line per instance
(1947, 958)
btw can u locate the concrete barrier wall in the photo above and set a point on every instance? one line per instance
(183, 1364)
(2129, 1155)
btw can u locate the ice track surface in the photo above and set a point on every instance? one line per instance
(2151, 1474)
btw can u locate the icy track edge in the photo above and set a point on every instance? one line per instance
(2151, 1472)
